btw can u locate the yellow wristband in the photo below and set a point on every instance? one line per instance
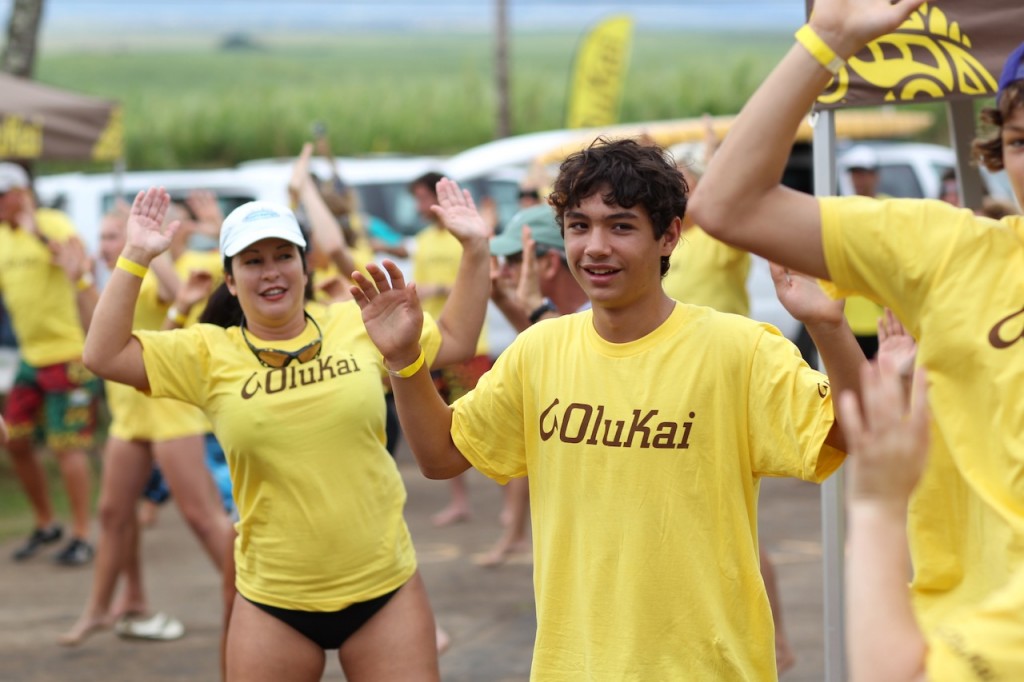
(176, 316)
(132, 267)
(407, 372)
(819, 49)
(85, 281)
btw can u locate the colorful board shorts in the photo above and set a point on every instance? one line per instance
(56, 401)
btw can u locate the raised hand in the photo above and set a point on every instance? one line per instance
(897, 349)
(848, 25)
(528, 290)
(146, 236)
(803, 298)
(392, 313)
(887, 441)
(193, 290)
(457, 212)
(300, 172)
(71, 257)
(205, 207)
(3, 432)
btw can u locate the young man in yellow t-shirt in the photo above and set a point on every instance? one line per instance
(53, 392)
(644, 425)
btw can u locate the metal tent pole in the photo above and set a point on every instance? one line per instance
(833, 521)
(961, 133)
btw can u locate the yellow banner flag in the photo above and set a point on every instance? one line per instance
(599, 74)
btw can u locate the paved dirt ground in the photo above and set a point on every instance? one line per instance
(488, 612)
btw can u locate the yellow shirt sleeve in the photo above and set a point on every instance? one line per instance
(801, 417)
(166, 353)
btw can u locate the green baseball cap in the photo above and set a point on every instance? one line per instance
(545, 230)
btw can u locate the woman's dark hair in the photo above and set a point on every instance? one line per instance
(988, 151)
(223, 308)
(627, 174)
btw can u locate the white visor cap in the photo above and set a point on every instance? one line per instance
(256, 220)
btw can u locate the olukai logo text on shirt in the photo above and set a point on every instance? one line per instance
(1007, 331)
(583, 423)
(295, 375)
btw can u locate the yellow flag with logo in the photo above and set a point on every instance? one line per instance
(599, 74)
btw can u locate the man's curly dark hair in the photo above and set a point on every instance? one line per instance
(627, 174)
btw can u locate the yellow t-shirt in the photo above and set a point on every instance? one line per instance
(704, 271)
(319, 498)
(984, 642)
(199, 261)
(954, 280)
(435, 261)
(37, 293)
(644, 462)
(138, 417)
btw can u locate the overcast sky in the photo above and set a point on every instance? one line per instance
(73, 16)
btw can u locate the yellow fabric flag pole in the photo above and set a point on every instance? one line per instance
(602, 59)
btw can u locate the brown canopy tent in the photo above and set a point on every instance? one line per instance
(42, 122)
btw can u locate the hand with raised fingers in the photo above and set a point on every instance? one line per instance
(146, 236)
(392, 313)
(194, 290)
(887, 441)
(204, 205)
(528, 290)
(848, 25)
(457, 211)
(300, 173)
(897, 349)
(803, 298)
(70, 256)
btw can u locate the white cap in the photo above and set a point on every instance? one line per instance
(860, 157)
(256, 220)
(12, 176)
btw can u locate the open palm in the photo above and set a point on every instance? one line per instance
(391, 310)
(458, 213)
(146, 231)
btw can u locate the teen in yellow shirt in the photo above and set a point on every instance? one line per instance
(645, 426)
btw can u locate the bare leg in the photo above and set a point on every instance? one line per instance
(229, 593)
(183, 463)
(405, 625)
(458, 508)
(132, 599)
(149, 512)
(126, 468)
(32, 477)
(513, 538)
(74, 469)
(784, 656)
(262, 648)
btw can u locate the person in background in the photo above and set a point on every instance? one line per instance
(435, 262)
(53, 392)
(145, 430)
